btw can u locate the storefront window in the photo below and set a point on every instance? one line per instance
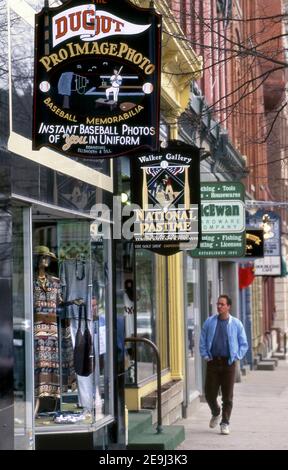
(151, 317)
(141, 298)
(144, 309)
(193, 327)
(146, 312)
(70, 289)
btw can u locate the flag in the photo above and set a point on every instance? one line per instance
(246, 276)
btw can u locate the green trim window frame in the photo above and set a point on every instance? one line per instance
(23, 329)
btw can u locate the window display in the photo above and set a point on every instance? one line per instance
(76, 279)
(46, 298)
(69, 292)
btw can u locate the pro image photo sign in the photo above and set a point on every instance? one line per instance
(97, 78)
(166, 187)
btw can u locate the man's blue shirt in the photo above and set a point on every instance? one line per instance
(220, 345)
(237, 339)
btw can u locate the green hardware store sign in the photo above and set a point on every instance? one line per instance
(223, 221)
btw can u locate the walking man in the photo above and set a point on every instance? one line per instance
(223, 342)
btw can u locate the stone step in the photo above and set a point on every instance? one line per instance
(271, 359)
(168, 439)
(138, 422)
(168, 392)
(265, 365)
(170, 411)
(281, 356)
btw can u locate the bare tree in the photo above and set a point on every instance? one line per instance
(253, 45)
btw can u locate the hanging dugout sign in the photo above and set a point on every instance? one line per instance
(254, 243)
(166, 186)
(97, 78)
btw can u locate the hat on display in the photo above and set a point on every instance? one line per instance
(42, 250)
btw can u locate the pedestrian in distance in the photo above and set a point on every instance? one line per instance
(223, 342)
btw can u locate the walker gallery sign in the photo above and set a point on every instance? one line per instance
(166, 186)
(97, 78)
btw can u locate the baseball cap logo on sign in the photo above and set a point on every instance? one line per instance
(42, 250)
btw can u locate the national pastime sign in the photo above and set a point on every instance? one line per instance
(97, 78)
(166, 187)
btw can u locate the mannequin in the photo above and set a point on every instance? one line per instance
(47, 296)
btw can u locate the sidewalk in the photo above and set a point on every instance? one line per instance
(259, 418)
